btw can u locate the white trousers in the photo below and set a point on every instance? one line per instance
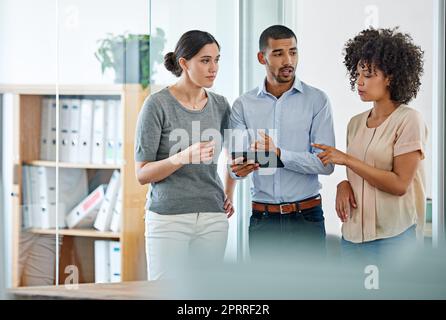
(173, 241)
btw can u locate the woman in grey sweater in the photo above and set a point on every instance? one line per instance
(178, 139)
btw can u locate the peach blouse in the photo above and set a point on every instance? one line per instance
(380, 214)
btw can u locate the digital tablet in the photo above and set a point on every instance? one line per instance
(266, 159)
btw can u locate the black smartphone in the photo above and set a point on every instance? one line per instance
(266, 159)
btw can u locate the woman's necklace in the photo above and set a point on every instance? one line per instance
(197, 104)
(190, 105)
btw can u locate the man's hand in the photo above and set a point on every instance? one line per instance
(242, 169)
(265, 144)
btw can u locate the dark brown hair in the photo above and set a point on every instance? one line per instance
(187, 47)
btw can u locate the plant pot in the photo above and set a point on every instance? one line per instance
(119, 55)
(132, 61)
(129, 56)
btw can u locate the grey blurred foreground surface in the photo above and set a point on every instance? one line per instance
(411, 274)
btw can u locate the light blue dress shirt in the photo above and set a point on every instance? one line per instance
(301, 116)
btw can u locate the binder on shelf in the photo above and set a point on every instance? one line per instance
(103, 219)
(34, 207)
(51, 155)
(85, 131)
(115, 224)
(115, 261)
(101, 261)
(74, 130)
(84, 214)
(64, 143)
(111, 133)
(120, 133)
(39, 195)
(45, 129)
(98, 150)
(73, 188)
(49, 216)
(43, 196)
(26, 199)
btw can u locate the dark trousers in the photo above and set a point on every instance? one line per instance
(288, 236)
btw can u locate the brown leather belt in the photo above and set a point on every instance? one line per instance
(287, 208)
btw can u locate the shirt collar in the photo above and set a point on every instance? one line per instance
(297, 85)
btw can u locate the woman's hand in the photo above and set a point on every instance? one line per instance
(199, 152)
(344, 199)
(229, 209)
(331, 155)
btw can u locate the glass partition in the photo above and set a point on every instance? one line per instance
(103, 78)
(169, 20)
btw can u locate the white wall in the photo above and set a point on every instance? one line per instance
(28, 37)
(322, 28)
(217, 17)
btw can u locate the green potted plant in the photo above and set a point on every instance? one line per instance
(131, 56)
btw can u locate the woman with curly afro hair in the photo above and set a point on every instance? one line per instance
(382, 204)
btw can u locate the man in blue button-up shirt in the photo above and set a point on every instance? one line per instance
(286, 116)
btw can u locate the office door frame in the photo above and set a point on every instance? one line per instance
(2, 224)
(247, 81)
(438, 121)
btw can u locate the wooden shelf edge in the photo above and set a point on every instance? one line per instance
(133, 290)
(43, 163)
(87, 233)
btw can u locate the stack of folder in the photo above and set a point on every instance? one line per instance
(107, 260)
(101, 209)
(39, 195)
(90, 130)
(104, 218)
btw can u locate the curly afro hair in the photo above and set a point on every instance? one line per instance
(394, 54)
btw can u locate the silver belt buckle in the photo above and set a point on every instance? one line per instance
(281, 209)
